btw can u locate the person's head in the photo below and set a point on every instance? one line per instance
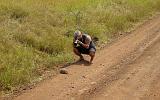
(78, 34)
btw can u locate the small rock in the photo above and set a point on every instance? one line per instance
(24, 88)
(63, 71)
(128, 78)
(82, 91)
(92, 83)
(102, 65)
(105, 95)
(67, 94)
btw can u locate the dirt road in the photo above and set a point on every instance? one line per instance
(128, 69)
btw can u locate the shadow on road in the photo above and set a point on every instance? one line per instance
(80, 63)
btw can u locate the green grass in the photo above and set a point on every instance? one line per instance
(36, 35)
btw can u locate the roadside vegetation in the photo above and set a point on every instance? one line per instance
(36, 35)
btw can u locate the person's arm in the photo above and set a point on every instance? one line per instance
(87, 42)
(86, 45)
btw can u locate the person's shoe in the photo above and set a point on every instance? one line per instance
(91, 61)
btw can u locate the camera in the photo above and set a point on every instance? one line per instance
(75, 43)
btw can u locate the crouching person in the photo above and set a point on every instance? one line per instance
(83, 44)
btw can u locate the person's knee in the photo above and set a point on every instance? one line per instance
(92, 54)
(75, 50)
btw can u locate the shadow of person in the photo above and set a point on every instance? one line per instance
(82, 62)
(79, 62)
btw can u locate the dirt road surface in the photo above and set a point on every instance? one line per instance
(128, 69)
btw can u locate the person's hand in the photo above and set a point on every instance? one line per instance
(79, 42)
(75, 42)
